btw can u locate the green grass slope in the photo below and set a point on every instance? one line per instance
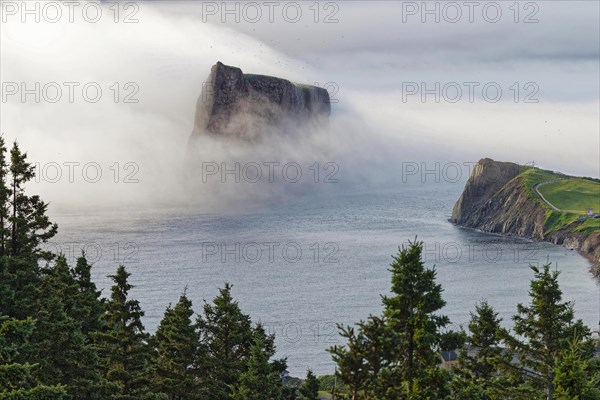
(575, 195)
(572, 195)
(533, 176)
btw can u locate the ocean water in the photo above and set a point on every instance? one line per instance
(302, 266)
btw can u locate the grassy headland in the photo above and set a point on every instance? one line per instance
(571, 195)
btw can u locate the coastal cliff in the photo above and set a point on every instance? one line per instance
(500, 197)
(235, 104)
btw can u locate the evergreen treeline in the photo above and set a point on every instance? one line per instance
(397, 356)
(61, 340)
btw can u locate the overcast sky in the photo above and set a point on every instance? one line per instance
(371, 56)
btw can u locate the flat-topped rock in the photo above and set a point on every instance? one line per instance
(242, 105)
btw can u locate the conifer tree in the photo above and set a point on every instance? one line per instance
(23, 227)
(64, 352)
(259, 381)
(545, 325)
(416, 328)
(5, 196)
(362, 361)
(19, 278)
(478, 375)
(30, 226)
(575, 375)
(176, 368)
(227, 335)
(404, 348)
(310, 387)
(16, 380)
(90, 306)
(123, 345)
(278, 365)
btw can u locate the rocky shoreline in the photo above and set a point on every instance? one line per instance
(495, 200)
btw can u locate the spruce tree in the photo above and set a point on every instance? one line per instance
(278, 365)
(176, 368)
(19, 278)
(16, 379)
(227, 335)
(23, 227)
(398, 356)
(90, 306)
(575, 375)
(416, 328)
(478, 374)
(351, 367)
(30, 226)
(310, 387)
(64, 352)
(259, 381)
(361, 363)
(543, 329)
(123, 344)
(5, 196)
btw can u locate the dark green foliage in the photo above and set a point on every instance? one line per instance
(23, 227)
(310, 387)
(14, 340)
(397, 356)
(176, 367)
(123, 346)
(90, 307)
(5, 195)
(30, 226)
(477, 376)
(83, 347)
(329, 383)
(546, 326)
(415, 326)
(219, 356)
(63, 350)
(361, 361)
(60, 341)
(16, 380)
(226, 334)
(259, 381)
(575, 375)
(19, 279)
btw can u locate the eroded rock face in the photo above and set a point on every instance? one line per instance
(495, 200)
(241, 105)
(488, 205)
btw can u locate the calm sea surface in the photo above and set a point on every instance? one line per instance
(302, 266)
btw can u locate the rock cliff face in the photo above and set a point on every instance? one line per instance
(495, 200)
(241, 105)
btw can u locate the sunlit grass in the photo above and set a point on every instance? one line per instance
(573, 195)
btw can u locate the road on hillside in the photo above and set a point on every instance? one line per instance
(542, 197)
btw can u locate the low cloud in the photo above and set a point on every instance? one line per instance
(161, 62)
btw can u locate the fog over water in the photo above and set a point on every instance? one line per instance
(301, 266)
(369, 65)
(409, 120)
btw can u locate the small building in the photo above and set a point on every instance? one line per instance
(449, 359)
(590, 212)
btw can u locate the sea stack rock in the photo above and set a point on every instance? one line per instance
(235, 104)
